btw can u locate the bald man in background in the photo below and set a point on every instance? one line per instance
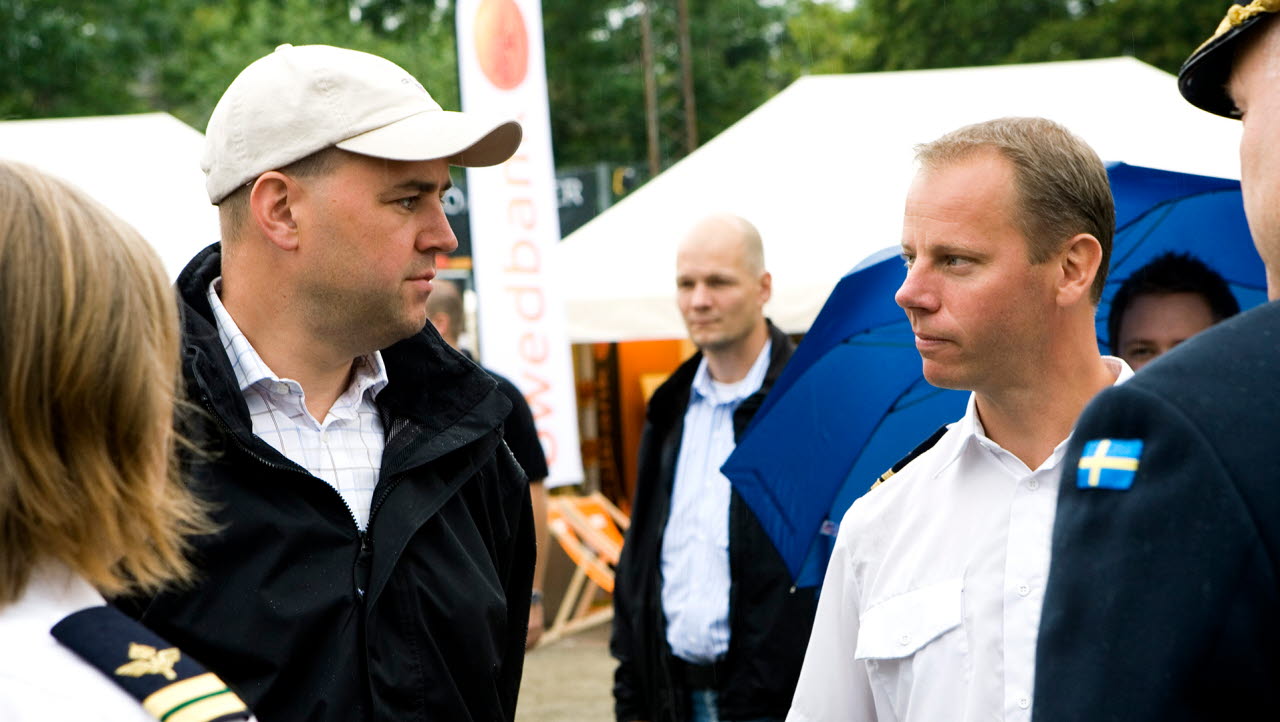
(445, 311)
(707, 624)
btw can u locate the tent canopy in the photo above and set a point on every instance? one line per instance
(822, 169)
(145, 168)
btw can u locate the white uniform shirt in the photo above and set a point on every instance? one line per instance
(345, 449)
(931, 603)
(41, 680)
(695, 544)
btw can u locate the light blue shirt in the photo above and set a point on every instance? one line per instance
(695, 546)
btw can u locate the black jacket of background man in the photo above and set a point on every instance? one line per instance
(769, 620)
(422, 617)
(1162, 598)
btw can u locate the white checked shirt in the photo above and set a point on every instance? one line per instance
(695, 545)
(931, 604)
(345, 449)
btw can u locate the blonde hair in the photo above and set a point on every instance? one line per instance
(89, 382)
(1061, 183)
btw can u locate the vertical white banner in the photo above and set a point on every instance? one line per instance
(515, 223)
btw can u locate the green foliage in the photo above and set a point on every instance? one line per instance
(911, 34)
(733, 50)
(595, 73)
(595, 82)
(91, 57)
(821, 38)
(1156, 31)
(80, 58)
(104, 57)
(220, 38)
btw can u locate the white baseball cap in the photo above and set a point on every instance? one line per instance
(300, 100)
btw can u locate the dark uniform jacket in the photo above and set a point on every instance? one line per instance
(422, 617)
(1163, 600)
(769, 620)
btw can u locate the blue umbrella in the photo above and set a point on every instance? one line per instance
(852, 401)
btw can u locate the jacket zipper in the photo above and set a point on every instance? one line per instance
(227, 432)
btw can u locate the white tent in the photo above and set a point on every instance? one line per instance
(144, 167)
(823, 168)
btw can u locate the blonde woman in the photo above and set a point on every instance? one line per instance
(89, 502)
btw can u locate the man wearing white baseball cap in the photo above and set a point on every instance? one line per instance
(375, 553)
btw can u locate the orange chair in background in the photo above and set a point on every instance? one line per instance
(590, 529)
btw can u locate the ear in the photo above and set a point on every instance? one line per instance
(766, 287)
(1078, 262)
(441, 322)
(272, 202)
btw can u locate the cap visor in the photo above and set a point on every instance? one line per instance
(1203, 77)
(461, 138)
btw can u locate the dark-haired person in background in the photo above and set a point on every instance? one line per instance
(1164, 303)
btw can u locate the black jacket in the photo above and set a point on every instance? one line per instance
(1162, 598)
(422, 617)
(769, 620)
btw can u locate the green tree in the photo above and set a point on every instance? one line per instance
(1162, 33)
(89, 57)
(595, 73)
(81, 57)
(823, 38)
(594, 82)
(911, 34)
(733, 59)
(220, 38)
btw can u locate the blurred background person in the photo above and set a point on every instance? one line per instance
(89, 498)
(707, 624)
(1164, 303)
(445, 311)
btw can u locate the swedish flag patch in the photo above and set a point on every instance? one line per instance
(1108, 464)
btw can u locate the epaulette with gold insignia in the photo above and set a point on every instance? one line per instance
(169, 685)
(923, 447)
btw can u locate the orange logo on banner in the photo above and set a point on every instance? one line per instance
(502, 43)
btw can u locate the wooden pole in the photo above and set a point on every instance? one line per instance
(686, 73)
(650, 89)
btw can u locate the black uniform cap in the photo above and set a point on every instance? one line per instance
(1203, 78)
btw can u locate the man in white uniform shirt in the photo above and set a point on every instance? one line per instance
(707, 624)
(931, 603)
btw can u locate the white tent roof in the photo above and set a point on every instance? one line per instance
(145, 167)
(822, 169)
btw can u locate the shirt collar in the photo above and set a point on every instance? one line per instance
(704, 388)
(370, 371)
(969, 428)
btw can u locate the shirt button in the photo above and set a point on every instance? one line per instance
(280, 388)
(1033, 484)
(1024, 703)
(904, 640)
(1023, 590)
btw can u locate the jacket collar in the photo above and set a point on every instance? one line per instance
(671, 398)
(430, 383)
